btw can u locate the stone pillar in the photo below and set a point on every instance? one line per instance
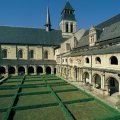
(90, 77)
(35, 70)
(26, 70)
(44, 70)
(52, 70)
(16, 70)
(6, 71)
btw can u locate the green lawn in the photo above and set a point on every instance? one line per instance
(5, 102)
(36, 89)
(11, 83)
(7, 91)
(34, 82)
(72, 95)
(24, 110)
(35, 99)
(88, 110)
(63, 87)
(48, 113)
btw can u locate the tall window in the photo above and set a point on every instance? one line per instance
(87, 60)
(113, 60)
(66, 27)
(4, 53)
(98, 60)
(20, 54)
(71, 27)
(31, 53)
(46, 54)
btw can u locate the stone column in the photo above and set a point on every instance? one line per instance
(26, 70)
(6, 71)
(16, 70)
(44, 70)
(35, 70)
(52, 70)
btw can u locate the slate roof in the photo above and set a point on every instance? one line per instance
(26, 62)
(107, 30)
(29, 36)
(67, 16)
(68, 6)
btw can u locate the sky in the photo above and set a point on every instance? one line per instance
(32, 13)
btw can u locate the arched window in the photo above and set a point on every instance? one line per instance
(98, 60)
(31, 53)
(66, 27)
(113, 60)
(4, 53)
(87, 60)
(46, 55)
(20, 54)
(71, 27)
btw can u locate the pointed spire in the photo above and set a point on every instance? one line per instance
(48, 22)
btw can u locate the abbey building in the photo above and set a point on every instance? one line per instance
(90, 56)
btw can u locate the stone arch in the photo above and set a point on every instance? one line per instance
(86, 77)
(113, 60)
(30, 70)
(113, 85)
(97, 81)
(2, 70)
(48, 70)
(11, 70)
(21, 70)
(39, 70)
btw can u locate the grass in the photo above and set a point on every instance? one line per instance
(49, 113)
(88, 110)
(55, 81)
(7, 91)
(81, 111)
(72, 95)
(35, 99)
(11, 83)
(34, 82)
(5, 102)
(2, 115)
(63, 87)
(37, 89)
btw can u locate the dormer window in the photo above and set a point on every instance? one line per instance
(92, 36)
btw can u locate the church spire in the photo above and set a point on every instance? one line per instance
(48, 22)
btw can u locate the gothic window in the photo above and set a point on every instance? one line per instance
(66, 27)
(31, 53)
(113, 60)
(98, 60)
(46, 54)
(71, 27)
(4, 53)
(87, 60)
(20, 54)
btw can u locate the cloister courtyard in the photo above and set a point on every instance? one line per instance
(48, 97)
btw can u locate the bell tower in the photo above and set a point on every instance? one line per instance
(68, 21)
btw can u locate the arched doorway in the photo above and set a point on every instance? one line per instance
(11, 70)
(86, 77)
(39, 70)
(55, 71)
(97, 81)
(48, 70)
(113, 85)
(21, 70)
(30, 70)
(2, 70)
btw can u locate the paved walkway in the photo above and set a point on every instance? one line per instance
(110, 100)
